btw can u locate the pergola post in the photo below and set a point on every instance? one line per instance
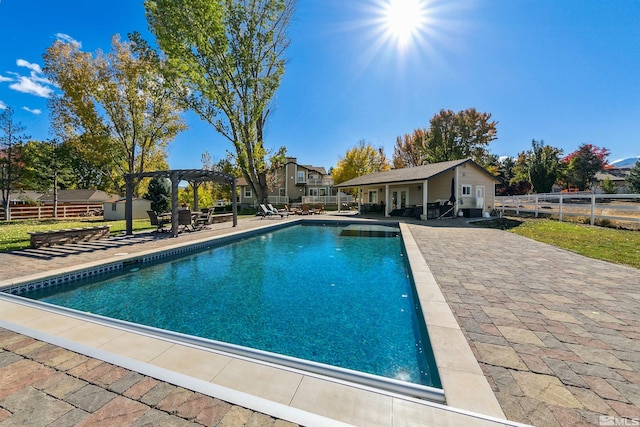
(128, 207)
(175, 180)
(234, 203)
(195, 186)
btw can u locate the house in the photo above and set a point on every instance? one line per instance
(293, 183)
(618, 176)
(457, 187)
(114, 209)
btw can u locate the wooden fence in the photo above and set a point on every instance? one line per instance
(46, 211)
(613, 207)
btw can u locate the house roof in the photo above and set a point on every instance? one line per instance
(613, 174)
(79, 196)
(24, 195)
(320, 169)
(417, 173)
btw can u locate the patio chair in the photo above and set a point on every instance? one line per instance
(203, 220)
(185, 220)
(158, 222)
(280, 212)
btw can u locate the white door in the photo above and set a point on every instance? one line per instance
(480, 197)
(400, 198)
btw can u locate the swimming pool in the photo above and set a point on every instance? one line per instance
(316, 300)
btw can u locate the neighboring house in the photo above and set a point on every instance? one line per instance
(459, 185)
(617, 176)
(77, 197)
(24, 197)
(114, 209)
(293, 183)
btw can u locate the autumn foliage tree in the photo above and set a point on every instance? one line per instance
(410, 149)
(230, 54)
(583, 164)
(115, 107)
(360, 160)
(461, 135)
(12, 141)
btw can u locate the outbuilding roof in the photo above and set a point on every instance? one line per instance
(417, 173)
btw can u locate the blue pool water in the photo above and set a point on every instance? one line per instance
(320, 293)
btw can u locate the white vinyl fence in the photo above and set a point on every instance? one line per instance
(613, 207)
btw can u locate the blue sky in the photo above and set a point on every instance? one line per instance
(564, 71)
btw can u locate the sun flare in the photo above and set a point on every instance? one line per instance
(404, 19)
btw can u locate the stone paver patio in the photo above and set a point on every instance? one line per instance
(556, 334)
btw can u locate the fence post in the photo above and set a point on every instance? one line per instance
(517, 205)
(593, 208)
(560, 209)
(536, 206)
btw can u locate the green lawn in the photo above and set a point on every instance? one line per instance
(617, 246)
(13, 234)
(608, 244)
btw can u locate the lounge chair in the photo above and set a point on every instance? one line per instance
(281, 212)
(185, 220)
(158, 222)
(305, 210)
(266, 212)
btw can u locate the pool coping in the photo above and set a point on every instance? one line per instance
(466, 389)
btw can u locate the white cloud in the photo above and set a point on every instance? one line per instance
(34, 111)
(33, 67)
(68, 39)
(3, 106)
(5, 79)
(32, 87)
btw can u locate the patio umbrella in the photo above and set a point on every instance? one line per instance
(452, 198)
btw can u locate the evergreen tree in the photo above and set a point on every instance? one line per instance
(543, 166)
(159, 192)
(633, 180)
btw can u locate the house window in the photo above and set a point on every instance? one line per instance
(373, 196)
(114, 207)
(313, 192)
(282, 192)
(247, 192)
(466, 190)
(301, 177)
(323, 191)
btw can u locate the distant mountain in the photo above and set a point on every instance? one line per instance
(626, 163)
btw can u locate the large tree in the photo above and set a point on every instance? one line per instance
(544, 166)
(584, 163)
(461, 135)
(230, 54)
(115, 107)
(11, 143)
(410, 149)
(360, 160)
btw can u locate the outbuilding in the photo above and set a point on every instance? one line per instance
(457, 187)
(114, 209)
